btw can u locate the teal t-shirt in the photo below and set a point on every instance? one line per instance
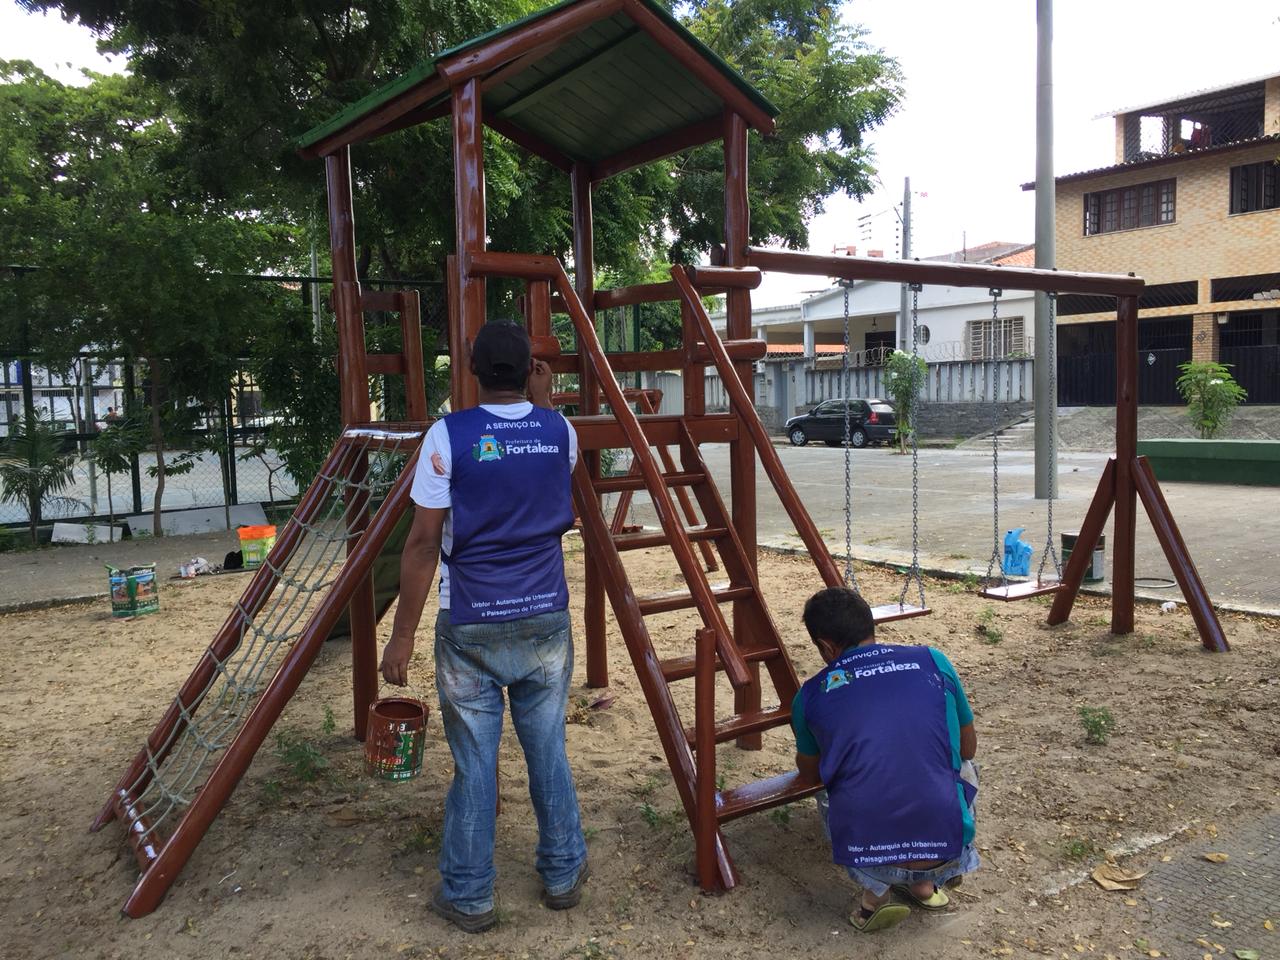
(959, 714)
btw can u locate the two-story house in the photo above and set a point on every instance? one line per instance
(1192, 204)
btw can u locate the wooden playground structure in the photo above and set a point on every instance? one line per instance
(595, 88)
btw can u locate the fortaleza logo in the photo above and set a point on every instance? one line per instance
(491, 448)
(884, 668)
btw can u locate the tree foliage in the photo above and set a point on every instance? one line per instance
(905, 376)
(134, 257)
(35, 469)
(1211, 395)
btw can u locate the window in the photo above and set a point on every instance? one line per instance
(1253, 187)
(1127, 208)
(996, 339)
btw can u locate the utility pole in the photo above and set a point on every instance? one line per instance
(1046, 404)
(904, 325)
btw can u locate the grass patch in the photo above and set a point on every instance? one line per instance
(1079, 848)
(986, 629)
(1098, 724)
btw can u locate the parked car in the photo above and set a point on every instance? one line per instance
(870, 421)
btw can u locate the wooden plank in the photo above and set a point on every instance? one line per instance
(684, 600)
(742, 724)
(1021, 590)
(677, 141)
(682, 668)
(944, 274)
(763, 794)
(889, 612)
(599, 433)
(636, 482)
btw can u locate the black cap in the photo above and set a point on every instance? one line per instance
(500, 354)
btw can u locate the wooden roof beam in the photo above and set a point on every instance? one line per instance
(534, 144)
(694, 135)
(380, 120)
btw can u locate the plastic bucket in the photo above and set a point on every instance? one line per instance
(134, 591)
(1096, 572)
(395, 738)
(255, 544)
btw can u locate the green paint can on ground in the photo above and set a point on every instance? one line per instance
(134, 590)
(1096, 572)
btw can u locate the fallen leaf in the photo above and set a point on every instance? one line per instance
(1110, 877)
(1248, 955)
(1268, 925)
(1217, 857)
(1222, 924)
(1129, 902)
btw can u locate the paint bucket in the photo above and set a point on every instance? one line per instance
(255, 544)
(134, 590)
(1096, 572)
(395, 737)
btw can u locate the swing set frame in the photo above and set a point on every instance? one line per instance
(1127, 477)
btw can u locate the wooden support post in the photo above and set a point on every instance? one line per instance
(589, 392)
(537, 303)
(705, 824)
(742, 458)
(1095, 522)
(354, 387)
(1122, 570)
(469, 223)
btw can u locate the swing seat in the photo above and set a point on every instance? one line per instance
(1021, 590)
(888, 612)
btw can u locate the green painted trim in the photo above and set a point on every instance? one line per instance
(1249, 462)
(425, 69)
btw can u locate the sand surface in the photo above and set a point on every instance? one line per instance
(343, 866)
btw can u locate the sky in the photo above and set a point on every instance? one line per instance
(965, 133)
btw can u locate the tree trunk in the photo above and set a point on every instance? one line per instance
(157, 440)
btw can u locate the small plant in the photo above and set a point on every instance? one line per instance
(330, 724)
(987, 631)
(970, 582)
(36, 471)
(781, 815)
(590, 833)
(305, 762)
(905, 378)
(1098, 724)
(422, 840)
(1079, 848)
(651, 815)
(272, 791)
(1211, 394)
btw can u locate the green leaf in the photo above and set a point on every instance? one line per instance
(1247, 954)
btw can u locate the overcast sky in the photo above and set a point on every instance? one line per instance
(966, 131)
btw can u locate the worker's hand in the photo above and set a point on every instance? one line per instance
(540, 384)
(395, 660)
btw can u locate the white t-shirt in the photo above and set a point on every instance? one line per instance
(431, 482)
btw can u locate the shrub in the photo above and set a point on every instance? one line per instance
(905, 377)
(1098, 724)
(1211, 394)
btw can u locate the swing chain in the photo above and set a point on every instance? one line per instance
(850, 578)
(914, 572)
(995, 293)
(1050, 551)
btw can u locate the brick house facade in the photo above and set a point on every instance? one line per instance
(1192, 205)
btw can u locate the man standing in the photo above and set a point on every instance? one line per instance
(492, 501)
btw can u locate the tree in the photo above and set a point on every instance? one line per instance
(134, 257)
(249, 77)
(112, 451)
(1211, 395)
(39, 470)
(905, 377)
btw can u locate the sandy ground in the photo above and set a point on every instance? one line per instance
(343, 867)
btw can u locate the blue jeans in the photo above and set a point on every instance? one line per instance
(533, 659)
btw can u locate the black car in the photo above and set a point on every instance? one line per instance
(870, 421)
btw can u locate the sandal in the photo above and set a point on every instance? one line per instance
(888, 915)
(935, 901)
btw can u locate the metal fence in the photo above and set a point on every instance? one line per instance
(230, 460)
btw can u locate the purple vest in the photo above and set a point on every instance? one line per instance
(510, 491)
(879, 714)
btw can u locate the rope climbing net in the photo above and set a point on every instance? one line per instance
(359, 476)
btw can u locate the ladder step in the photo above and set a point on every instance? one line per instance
(682, 668)
(744, 723)
(683, 599)
(888, 612)
(1020, 591)
(763, 794)
(636, 481)
(658, 538)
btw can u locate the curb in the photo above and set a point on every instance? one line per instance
(48, 603)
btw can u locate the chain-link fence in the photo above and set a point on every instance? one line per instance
(224, 456)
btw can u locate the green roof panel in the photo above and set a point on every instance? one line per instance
(608, 89)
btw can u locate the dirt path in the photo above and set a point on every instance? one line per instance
(342, 867)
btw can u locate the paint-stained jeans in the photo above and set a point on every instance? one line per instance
(533, 659)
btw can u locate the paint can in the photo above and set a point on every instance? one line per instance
(255, 544)
(1096, 572)
(395, 738)
(134, 590)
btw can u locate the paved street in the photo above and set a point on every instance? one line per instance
(1233, 532)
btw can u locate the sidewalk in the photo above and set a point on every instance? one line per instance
(69, 572)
